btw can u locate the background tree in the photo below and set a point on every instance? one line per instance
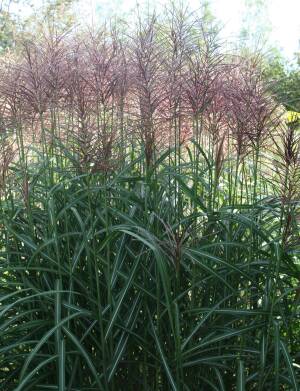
(19, 20)
(284, 79)
(282, 75)
(8, 24)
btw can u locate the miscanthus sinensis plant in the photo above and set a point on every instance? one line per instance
(149, 215)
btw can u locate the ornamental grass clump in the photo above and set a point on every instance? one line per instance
(149, 228)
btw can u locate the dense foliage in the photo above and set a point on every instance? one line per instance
(149, 216)
(284, 81)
